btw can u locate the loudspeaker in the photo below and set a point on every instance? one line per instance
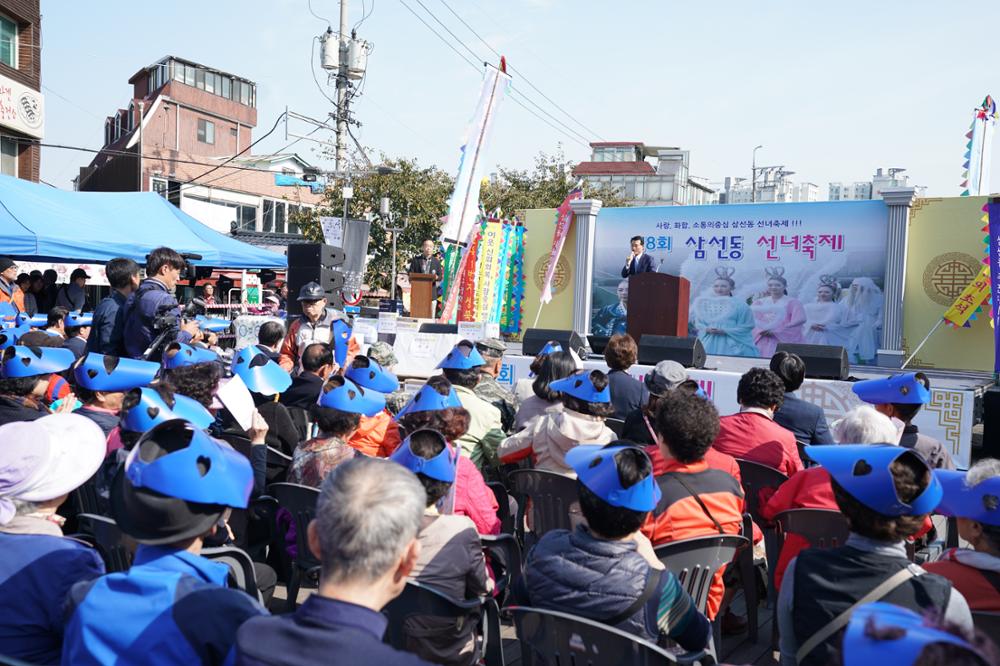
(598, 343)
(331, 281)
(438, 328)
(822, 361)
(535, 338)
(689, 352)
(314, 254)
(991, 423)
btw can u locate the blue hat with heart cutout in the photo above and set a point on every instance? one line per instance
(368, 374)
(179, 354)
(427, 399)
(980, 502)
(152, 410)
(902, 647)
(259, 373)
(212, 324)
(581, 387)
(8, 313)
(440, 468)
(77, 319)
(9, 336)
(34, 321)
(903, 389)
(597, 468)
(863, 471)
(100, 372)
(349, 397)
(20, 361)
(341, 332)
(550, 347)
(463, 356)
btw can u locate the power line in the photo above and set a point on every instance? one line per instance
(310, 5)
(519, 73)
(440, 23)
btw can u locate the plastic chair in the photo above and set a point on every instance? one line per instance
(300, 502)
(505, 560)
(116, 549)
(300, 417)
(695, 562)
(86, 500)
(424, 601)
(551, 496)
(987, 622)
(240, 567)
(807, 462)
(615, 425)
(756, 477)
(951, 538)
(748, 577)
(551, 638)
(503, 506)
(277, 465)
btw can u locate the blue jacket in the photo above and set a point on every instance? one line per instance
(322, 631)
(141, 311)
(169, 608)
(36, 573)
(106, 332)
(805, 420)
(645, 265)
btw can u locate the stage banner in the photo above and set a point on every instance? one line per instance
(761, 274)
(994, 267)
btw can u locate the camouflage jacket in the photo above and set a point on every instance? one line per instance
(493, 392)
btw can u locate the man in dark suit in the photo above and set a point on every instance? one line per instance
(638, 261)
(804, 419)
(317, 365)
(426, 262)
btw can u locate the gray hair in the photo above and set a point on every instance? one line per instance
(369, 510)
(987, 468)
(24, 507)
(865, 425)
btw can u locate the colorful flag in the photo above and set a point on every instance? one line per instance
(564, 220)
(994, 269)
(968, 302)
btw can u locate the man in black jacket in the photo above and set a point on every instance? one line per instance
(426, 262)
(638, 261)
(317, 365)
(805, 420)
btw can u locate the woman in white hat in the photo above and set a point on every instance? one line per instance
(41, 462)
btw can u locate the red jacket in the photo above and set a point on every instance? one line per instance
(976, 575)
(754, 437)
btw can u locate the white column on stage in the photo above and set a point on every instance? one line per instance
(898, 200)
(585, 220)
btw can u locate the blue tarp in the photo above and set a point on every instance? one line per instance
(43, 223)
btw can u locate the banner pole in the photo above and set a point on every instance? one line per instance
(538, 315)
(922, 343)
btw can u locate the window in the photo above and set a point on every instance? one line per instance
(210, 82)
(206, 131)
(279, 217)
(247, 218)
(160, 187)
(8, 43)
(227, 87)
(188, 74)
(293, 213)
(8, 156)
(268, 217)
(245, 94)
(199, 78)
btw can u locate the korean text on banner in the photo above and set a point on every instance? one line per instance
(994, 212)
(969, 300)
(564, 220)
(491, 264)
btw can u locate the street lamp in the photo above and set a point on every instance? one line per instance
(753, 176)
(386, 216)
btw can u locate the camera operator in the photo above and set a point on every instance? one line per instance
(154, 300)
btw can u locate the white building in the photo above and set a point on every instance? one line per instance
(872, 189)
(773, 186)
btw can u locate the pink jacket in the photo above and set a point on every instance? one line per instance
(473, 498)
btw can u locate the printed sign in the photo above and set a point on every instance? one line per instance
(21, 108)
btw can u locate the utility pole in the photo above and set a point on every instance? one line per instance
(753, 176)
(342, 111)
(138, 150)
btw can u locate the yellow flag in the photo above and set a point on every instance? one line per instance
(971, 298)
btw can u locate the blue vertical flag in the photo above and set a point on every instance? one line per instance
(994, 214)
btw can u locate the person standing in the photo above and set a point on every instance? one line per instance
(426, 262)
(318, 323)
(9, 291)
(71, 295)
(154, 298)
(106, 334)
(637, 260)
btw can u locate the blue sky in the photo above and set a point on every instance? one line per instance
(832, 90)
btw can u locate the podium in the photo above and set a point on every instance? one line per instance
(657, 304)
(422, 295)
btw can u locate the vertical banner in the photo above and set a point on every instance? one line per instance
(979, 149)
(464, 289)
(564, 219)
(510, 317)
(993, 210)
(490, 273)
(463, 207)
(968, 304)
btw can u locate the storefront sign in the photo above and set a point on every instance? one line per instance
(21, 108)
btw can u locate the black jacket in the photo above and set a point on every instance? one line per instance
(645, 265)
(434, 266)
(804, 419)
(303, 392)
(13, 409)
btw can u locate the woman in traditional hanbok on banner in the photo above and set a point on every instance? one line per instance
(825, 316)
(724, 323)
(863, 312)
(778, 317)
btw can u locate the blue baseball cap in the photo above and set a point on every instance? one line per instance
(596, 467)
(368, 374)
(580, 386)
(863, 471)
(903, 389)
(212, 324)
(9, 336)
(440, 468)
(463, 356)
(20, 361)
(76, 319)
(152, 410)
(899, 648)
(259, 373)
(349, 397)
(427, 399)
(980, 502)
(99, 372)
(179, 354)
(341, 332)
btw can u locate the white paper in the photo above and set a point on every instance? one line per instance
(235, 395)
(470, 330)
(387, 322)
(407, 326)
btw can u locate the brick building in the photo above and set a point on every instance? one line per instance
(188, 119)
(22, 106)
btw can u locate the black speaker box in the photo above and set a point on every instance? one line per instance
(438, 328)
(535, 338)
(331, 281)
(991, 423)
(598, 343)
(822, 361)
(314, 254)
(689, 352)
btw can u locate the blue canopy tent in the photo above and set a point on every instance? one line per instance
(43, 223)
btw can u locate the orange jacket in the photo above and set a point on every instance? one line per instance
(377, 436)
(289, 354)
(16, 296)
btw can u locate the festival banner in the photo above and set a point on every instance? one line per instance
(564, 220)
(510, 318)
(968, 303)
(979, 149)
(465, 285)
(489, 276)
(760, 274)
(994, 269)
